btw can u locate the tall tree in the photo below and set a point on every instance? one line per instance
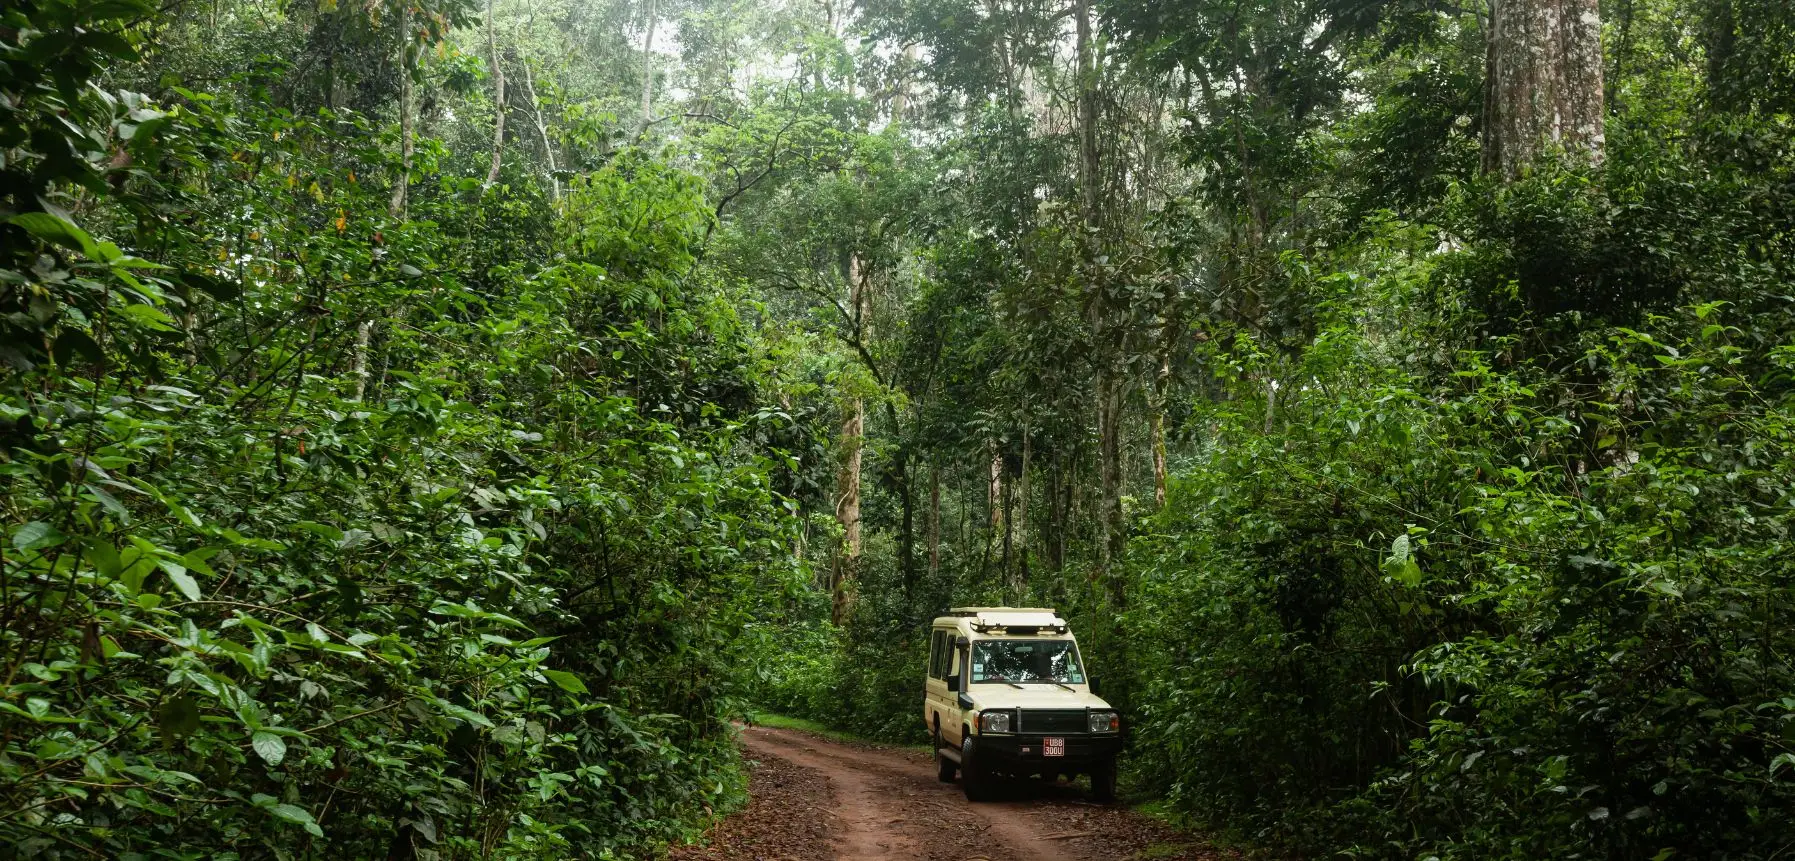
(1543, 85)
(498, 95)
(1105, 331)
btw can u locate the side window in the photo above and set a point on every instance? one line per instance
(943, 665)
(935, 655)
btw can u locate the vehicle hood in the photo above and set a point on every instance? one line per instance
(1029, 696)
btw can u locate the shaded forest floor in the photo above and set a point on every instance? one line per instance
(814, 799)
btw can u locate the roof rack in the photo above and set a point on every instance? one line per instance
(1023, 621)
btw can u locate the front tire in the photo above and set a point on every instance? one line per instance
(1103, 781)
(973, 778)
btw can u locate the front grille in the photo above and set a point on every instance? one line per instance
(1053, 721)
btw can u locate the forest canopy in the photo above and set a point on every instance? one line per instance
(427, 425)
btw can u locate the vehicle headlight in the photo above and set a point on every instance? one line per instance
(1105, 722)
(994, 722)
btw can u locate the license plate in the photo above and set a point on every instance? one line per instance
(1053, 747)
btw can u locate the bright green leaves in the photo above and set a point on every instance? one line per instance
(566, 681)
(1401, 564)
(59, 231)
(290, 813)
(177, 574)
(270, 747)
(499, 488)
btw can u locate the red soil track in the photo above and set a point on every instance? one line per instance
(815, 800)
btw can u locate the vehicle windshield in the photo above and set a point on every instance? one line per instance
(1026, 661)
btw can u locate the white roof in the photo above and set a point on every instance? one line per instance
(1020, 617)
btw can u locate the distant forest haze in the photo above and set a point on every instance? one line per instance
(427, 425)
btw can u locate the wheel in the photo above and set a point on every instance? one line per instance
(1103, 781)
(973, 778)
(944, 767)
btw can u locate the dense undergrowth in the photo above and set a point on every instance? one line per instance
(342, 526)
(1482, 599)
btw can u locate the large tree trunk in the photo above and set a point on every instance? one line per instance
(1111, 537)
(847, 510)
(900, 99)
(1543, 86)
(498, 97)
(853, 436)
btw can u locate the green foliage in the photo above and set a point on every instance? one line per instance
(326, 532)
(353, 502)
(1507, 599)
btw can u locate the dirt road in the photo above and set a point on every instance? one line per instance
(818, 800)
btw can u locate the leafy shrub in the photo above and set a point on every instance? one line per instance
(318, 539)
(1500, 598)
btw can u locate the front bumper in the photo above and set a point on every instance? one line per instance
(1024, 751)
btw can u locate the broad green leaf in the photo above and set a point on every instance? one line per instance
(1781, 761)
(183, 581)
(103, 556)
(296, 815)
(463, 713)
(566, 681)
(57, 230)
(270, 747)
(37, 535)
(198, 561)
(1401, 547)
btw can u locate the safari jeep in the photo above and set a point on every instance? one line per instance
(1008, 696)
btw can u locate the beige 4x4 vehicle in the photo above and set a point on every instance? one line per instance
(1008, 696)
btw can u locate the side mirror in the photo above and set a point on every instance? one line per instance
(953, 682)
(1096, 687)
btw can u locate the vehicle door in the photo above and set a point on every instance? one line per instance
(938, 701)
(932, 683)
(953, 671)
